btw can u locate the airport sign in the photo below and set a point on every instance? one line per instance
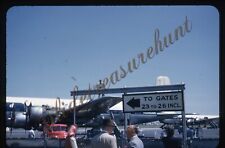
(151, 102)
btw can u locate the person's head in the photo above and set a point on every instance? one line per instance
(132, 130)
(169, 131)
(72, 130)
(108, 125)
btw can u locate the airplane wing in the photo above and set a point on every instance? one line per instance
(89, 110)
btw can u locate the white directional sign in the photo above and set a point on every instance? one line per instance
(163, 101)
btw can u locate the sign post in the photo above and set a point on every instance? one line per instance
(154, 102)
(124, 140)
(74, 104)
(184, 126)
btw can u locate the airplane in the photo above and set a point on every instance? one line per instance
(137, 118)
(22, 115)
(89, 114)
(169, 117)
(133, 118)
(194, 120)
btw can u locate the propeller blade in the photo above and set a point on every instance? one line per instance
(13, 115)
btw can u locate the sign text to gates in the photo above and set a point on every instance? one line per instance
(164, 101)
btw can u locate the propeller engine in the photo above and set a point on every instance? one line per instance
(15, 115)
(27, 113)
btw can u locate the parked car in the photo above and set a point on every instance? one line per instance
(58, 131)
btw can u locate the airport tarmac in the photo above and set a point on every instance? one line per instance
(85, 143)
(19, 139)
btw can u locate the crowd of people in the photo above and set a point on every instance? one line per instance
(107, 139)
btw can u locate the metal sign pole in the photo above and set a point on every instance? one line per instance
(129, 90)
(74, 104)
(125, 129)
(74, 109)
(184, 125)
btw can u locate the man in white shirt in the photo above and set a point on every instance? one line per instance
(105, 139)
(31, 134)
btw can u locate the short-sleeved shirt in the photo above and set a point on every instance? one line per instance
(104, 140)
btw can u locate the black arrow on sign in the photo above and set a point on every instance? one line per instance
(134, 103)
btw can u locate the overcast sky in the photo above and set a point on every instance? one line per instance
(49, 49)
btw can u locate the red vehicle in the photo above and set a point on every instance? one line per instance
(58, 131)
